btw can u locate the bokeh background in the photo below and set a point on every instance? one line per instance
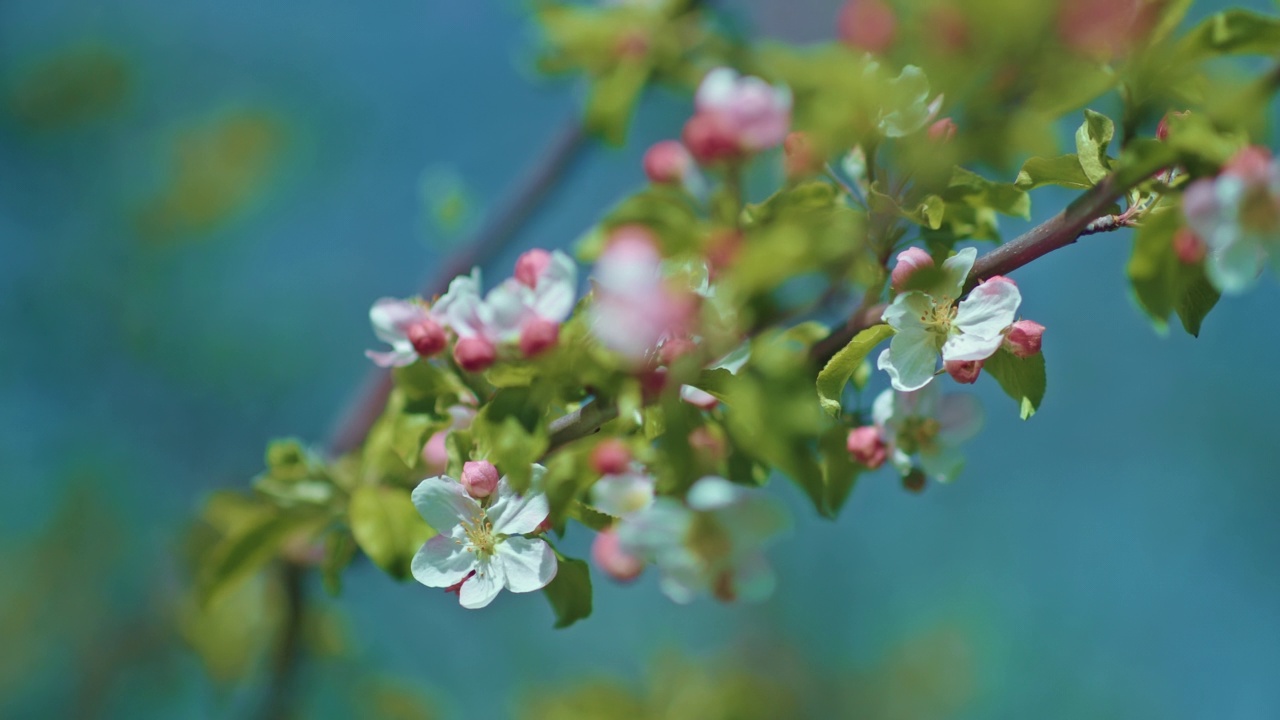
(198, 203)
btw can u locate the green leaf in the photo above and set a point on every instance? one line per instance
(840, 368)
(1234, 32)
(1092, 139)
(1063, 170)
(512, 448)
(251, 544)
(339, 551)
(1197, 299)
(613, 98)
(570, 591)
(387, 527)
(979, 192)
(839, 471)
(1023, 379)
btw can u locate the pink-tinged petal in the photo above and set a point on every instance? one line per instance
(956, 269)
(608, 555)
(394, 358)
(459, 307)
(389, 316)
(505, 310)
(443, 561)
(910, 360)
(988, 311)
(514, 514)
(557, 288)
(909, 261)
(622, 495)
(960, 418)
(444, 503)
(698, 398)
(528, 564)
(1200, 207)
(963, 348)
(480, 589)
(907, 310)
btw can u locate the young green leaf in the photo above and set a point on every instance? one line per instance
(387, 527)
(570, 591)
(1197, 299)
(1022, 379)
(1092, 139)
(250, 545)
(1064, 170)
(835, 375)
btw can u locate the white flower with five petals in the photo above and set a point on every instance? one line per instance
(481, 547)
(929, 324)
(927, 425)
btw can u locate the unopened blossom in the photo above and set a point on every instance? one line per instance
(610, 457)
(750, 112)
(929, 324)
(479, 478)
(1237, 214)
(868, 25)
(710, 543)
(943, 131)
(608, 555)
(435, 453)
(636, 307)
(964, 372)
(1024, 338)
(482, 546)
(928, 426)
(866, 445)
(411, 329)
(909, 261)
(667, 162)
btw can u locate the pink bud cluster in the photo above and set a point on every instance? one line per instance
(736, 116)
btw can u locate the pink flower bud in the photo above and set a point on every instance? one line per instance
(709, 138)
(964, 372)
(608, 555)
(868, 25)
(1188, 246)
(723, 248)
(799, 159)
(611, 457)
(943, 131)
(866, 446)
(474, 354)
(427, 337)
(1251, 164)
(676, 348)
(667, 161)
(1162, 130)
(1024, 338)
(479, 477)
(632, 44)
(538, 335)
(531, 265)
(909, 261)
(707, 443)
(435, 454)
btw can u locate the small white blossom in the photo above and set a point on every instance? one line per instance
(929, 324)
(927, 425)
(711, 543)
(1237, 214)
(481, 546)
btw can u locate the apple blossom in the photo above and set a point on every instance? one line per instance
(410, 328)
(943, 131)
(485, 539)
(1024, 338)
(623, 494)
(745, 111)
(909, 261)
(929, 324)
(635, 307)
(1237, 214)
(710, 543)
(667, 162)
(867, 446)
(1188, 246)
(928, 425)
(608, 555)
(479, 477)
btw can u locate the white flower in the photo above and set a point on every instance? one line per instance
(501, 315)
(928, 425)
(623, 494)
(929, 324)
(406, 326)
(482, 547)
(635, 306)
(711, 543)
(1237, 214)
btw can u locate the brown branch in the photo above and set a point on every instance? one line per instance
(522, 205)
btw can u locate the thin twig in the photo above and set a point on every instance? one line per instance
(284, 667)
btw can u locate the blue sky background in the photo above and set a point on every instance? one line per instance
(1114, 557)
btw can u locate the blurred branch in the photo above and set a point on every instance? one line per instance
(284, 667)
(521, 205)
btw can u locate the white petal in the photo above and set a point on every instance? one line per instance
(528, 564)
(557, 288)
(444, 503)
(752, 521)
(622, 495)
(918, 403)
(882, 410)
(514, 514)
(960, 417)
(399, 357)
(907, 309)
(714, 493)
(944, 464)
(480, 589)
(1234, 268)
(901, 461)
(389, 315)
(970, 347)
(717, 90)
(990, 308)
(910, 359)
(698, 398)
(956, 269)
(442, 561)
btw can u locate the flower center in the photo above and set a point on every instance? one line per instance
(1259, 211)
(938, 320)
(480, 535)
(918, 434)
(708, 540)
